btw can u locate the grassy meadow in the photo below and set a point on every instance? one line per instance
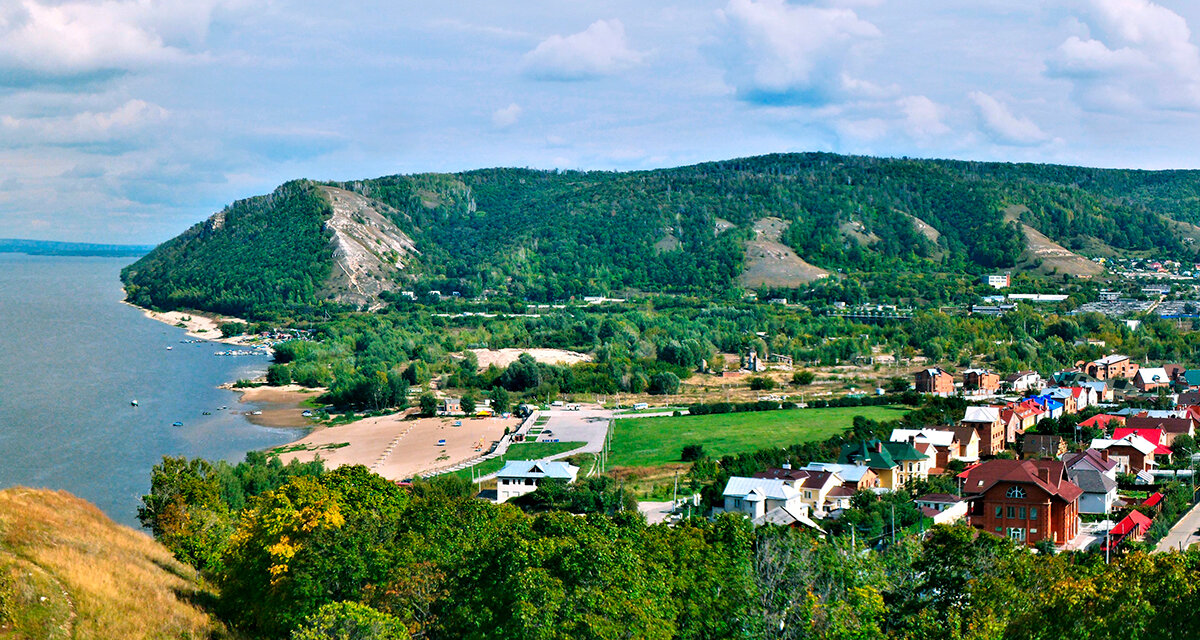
(653, 442)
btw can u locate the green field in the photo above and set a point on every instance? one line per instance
(651, 442)
(519, 451)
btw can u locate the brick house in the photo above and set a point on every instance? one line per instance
(1132, 453)
(934, 380)
(1172, 427)
(981, 380)
(986, 422)
(1151, 379)
(1025, 500)
(1108, 367)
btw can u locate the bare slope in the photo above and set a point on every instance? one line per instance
(368, 249)
(770, 263)
(68, 571)
(1046, 256)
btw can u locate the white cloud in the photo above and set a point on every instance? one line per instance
(793, 54)
(42, 40)
(1002, 125)
(507, 117)
(87, 127)
(599, 50)
(1136, 54)
(922, 117)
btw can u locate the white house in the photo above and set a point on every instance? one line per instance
(1024, 381)
(942, 507)
(756, 496)
(997, 280)
(519, 477)
(1099, 490)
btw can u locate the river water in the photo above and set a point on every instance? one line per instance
(72, 356)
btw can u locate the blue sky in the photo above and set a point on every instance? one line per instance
(129, 120)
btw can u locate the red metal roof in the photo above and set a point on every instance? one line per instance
(1136, 523)
(1153, 435)
(1154, 499)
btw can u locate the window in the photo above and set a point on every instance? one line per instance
(1012, 512)
(999, 512)
(1015, 492)
(1020, 513)
(1016, 533)
(1032, 514)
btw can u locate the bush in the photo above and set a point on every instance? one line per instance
(664, 383)
(803, 378)
(279, 375)
(762, 383)
(692, 452)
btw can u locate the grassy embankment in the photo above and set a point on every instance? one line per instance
(656, 442)
(68, 571)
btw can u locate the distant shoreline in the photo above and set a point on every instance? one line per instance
(197, 324)
(72, 249)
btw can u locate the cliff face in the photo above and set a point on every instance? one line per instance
(369, 250)
(68, 571)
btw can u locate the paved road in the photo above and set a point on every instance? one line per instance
(588, 424)
(1184, 533)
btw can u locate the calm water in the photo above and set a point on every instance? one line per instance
(72, 356)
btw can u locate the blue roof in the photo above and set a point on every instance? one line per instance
(537, 469)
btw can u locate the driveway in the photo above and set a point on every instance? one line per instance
(1183, 534)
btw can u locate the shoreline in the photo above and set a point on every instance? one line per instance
(281, 406)
(196, 324)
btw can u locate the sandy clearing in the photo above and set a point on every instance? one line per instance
(504, 357)
(413, 443)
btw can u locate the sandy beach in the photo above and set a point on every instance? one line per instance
(197, 325)
(281, 406)
(398, 448)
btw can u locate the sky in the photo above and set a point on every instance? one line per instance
(127, 121)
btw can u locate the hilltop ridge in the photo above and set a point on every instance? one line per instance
(777, 221)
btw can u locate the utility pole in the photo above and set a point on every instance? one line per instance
(893, 523)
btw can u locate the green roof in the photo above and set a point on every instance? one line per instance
(1192, 377)
(889, 457)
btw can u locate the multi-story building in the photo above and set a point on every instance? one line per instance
(1025, 500)
(934, 380)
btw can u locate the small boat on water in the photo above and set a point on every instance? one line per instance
(133, 403)
(256, 413)
(177, 424)
(206, 413)
(169, 348)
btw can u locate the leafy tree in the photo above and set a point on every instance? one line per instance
(279, 375)
(350, 621)
(501, 402)
(692, 452)
(803, 378)
(761, 383)
(429, 405)
(665, 383)
(468, 404)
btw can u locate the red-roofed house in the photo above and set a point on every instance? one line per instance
(1154, 500)
(1154, 436)
(1103, 422)
(1025, 500)
(1171, 426)
(1131, 527)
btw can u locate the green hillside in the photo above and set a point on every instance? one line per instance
(549, 235)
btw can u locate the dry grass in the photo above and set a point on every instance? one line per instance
(99, 579)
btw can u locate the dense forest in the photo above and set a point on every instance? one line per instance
(552, 235)
(261, 253)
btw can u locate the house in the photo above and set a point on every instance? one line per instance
(1091, 459)
(451, 405)
(814, 486)
(1063, 396)
(896, 463)
(1103, 422)
(1132, 527)
(1084, 397)
(1042, 446)
(519, 477)
(1023, 381)
(838, 499)
(1053, 408)
(997, 280)
(1025, 500)
(1189, 378)
(934, 380)
(787, 517)
(942, 442)
(1154, 436)
(1018, 418)
(942, 507)
(1172, 426)
(1132, 453)
(1151, 379)
(1109, 367)
(1103, 393)
(981, 380)
(855, 477)
(754, 497)
(1099, 490)
(1036, 409)
(986, 421)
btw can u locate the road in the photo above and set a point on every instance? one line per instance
(1183, 534)
(588, 424)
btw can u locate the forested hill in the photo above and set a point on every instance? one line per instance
(774, 221)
